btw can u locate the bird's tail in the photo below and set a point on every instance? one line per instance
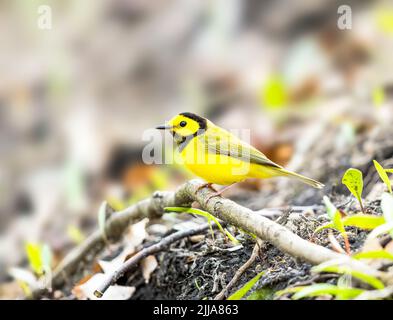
(304, 179)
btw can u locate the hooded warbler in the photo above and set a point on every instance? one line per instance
(219, 157)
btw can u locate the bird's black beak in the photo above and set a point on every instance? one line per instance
(164, 127)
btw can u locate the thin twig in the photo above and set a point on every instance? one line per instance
(134, 260)
(240, 272)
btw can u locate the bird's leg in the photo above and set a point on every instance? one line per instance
(218, 193)
(207, 184)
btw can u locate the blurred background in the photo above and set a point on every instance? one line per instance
(75, 99)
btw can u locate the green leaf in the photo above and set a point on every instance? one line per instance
(387, 208)
(102, 219)
(289, 290)
(371, 280)
(265, 293)
(342, 292)
(75, 234)
(33, 251)
(378, 254)
(247, 287)
(363, 221)
(338, 223)
(383, 175)
(252, 235)
(325, 288)
(325, 226)
(353, 179)
(39, 257)
(384, 20)
(330, 208)
(389, 170)
(378, 96)
(274, 93)
(207, 215)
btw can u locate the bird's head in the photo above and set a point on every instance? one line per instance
(185, 125)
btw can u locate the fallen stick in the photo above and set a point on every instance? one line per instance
(222, 208)
(114, 229)
(134, 260)
(262, 227)
(239, 272)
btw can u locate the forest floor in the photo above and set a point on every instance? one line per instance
(201, 266)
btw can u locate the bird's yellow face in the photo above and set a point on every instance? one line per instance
(185, 125)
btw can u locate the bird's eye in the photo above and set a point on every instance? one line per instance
(183, 123)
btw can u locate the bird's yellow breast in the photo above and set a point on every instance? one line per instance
(216, 168)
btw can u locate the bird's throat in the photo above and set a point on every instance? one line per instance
(183, 141)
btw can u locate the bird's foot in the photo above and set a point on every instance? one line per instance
(218, 193)
(215, 194)
(208, 185)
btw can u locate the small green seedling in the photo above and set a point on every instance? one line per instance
(363, 221)
(246, 288)
(335, 216)
(40, 257)
(343, 290)
(33, 251)
(383, 175)
(377, 254)
(353, 179)
(209, 218)
(319, 289)
(342, 269)
(274, 95)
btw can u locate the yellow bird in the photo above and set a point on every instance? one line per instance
(218, 156)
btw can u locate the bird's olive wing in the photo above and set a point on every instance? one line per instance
(219, 141)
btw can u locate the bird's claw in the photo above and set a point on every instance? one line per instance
(215, 194)
(209, 185)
